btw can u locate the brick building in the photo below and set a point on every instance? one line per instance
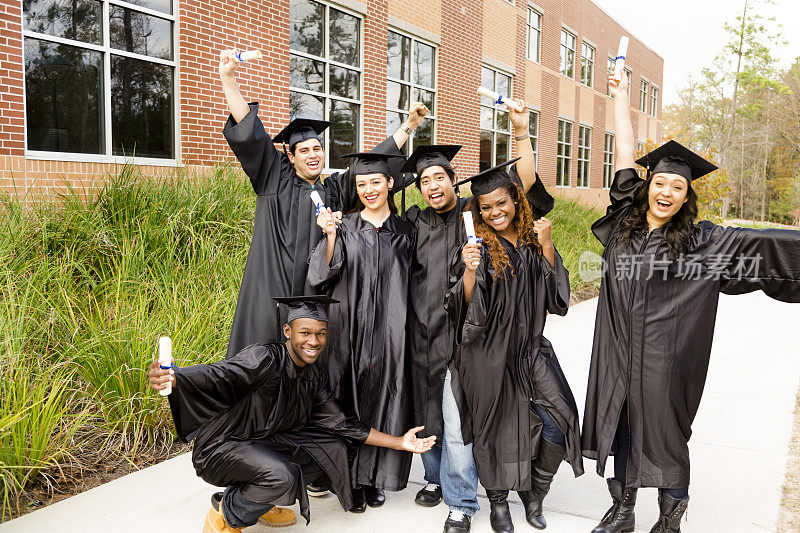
(88, 84)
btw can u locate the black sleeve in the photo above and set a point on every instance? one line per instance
(320, 273)
(625, 187)
(328, 415)
(556, 283)
(254, 149)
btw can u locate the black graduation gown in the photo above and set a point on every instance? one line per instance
(430, 335)
(260, 395)
(653, 337)
(284, 231)
(503, 361)
(366, 356)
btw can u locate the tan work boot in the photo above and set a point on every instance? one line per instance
(215, 523)
(278, 517)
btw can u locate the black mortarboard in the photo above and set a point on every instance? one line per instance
(301, 129)
(430, 155)
(306, 306)
(491, 179)
(374, 161)
(674, 158)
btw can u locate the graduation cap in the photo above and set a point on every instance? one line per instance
(491, 179)
(376, 161)
(674, 158)
(430, 155)
(301, 129)
(306, 306)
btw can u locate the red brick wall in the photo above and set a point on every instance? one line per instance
(12, 101)
(373, 108)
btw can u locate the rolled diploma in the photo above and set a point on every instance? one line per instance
(469, 226)
(619, 61)
(248, 55)
(317, 199)
(165, 360)
(499, 99)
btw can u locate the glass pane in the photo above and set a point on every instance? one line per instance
(306, 106)
(344, 132)
(307, 27)
(503, 124)
(165, 6)
(501, 153)
(306, 73)
(63, 98)
(423, 65)
(344, 37)
(141, 108)
(426, 97)
(533, 124)
(393, 121)
(143, 34)
(396, 95)
(487, 118)
(423, 135)
(485, 160)
(344, 82)
(399, 56)
(487, 80)
(80, 20)
(504, 85)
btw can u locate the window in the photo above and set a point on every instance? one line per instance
(629, 75)
(584, 155)
(411, 78)
(325, 73)
(99, 78)
(534, 35)
(608, 160)
(587, 65)
(654, 101)
(533, 132)
(495, 124)
(564, 153)
(567, 54)
(643, 86)
(609, 70)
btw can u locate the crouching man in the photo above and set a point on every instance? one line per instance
(264, 423)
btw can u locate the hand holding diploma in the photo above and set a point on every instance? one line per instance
(161, 374)
(619, 60)
(498, 98)
(328, 220)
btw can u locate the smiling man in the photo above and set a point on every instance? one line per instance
(285, 228)
(264, 423)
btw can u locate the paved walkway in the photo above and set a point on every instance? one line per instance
(753, 379)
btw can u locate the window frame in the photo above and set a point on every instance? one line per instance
(495, 108)
(563, 47)
(410, 145)
(609, 158)
(629, 73)
(107, 51)
(326, 95)
(584, 158)
(644, 90)
(567, 157)
(588, 81)
(534, 137)
(654, 90)
(530, 30)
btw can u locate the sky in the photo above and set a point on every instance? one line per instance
(689, 33)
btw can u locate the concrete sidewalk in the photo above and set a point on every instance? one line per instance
(740, 442)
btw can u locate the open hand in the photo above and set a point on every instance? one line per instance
(160, 378)
(471, 254)
(411, 443)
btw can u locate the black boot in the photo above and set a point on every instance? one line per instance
(374, 496)
(620, 518)
(671, 511)
(543, 469)
(500, 515)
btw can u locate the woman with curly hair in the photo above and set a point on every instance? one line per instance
(524, 420)
(655, 319)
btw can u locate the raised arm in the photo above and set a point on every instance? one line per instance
(227, 71)
(526, 166)
(416, 114)
(623, 130)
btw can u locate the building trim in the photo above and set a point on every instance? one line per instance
(352, 5)
(423, 35)
(499, 65)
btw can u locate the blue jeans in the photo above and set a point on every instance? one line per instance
(550, 430)
(452, 466)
